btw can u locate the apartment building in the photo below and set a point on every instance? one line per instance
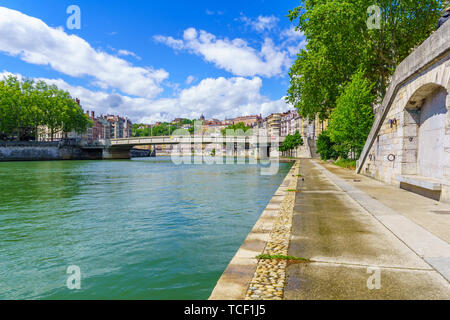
(273, 124)
(290, 123)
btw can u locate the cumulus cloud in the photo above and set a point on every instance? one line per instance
(219, 98)
(128, 53)
(131, 91)
(114, 101)
(293, 40)
(235, 56)
(215, 98)
(35, 42)
(261, 23)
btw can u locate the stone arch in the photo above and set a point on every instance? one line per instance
(418, 98)
(429, 102)
(438, 76)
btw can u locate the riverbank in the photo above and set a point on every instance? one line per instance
(270, 235)
(366, 239)
(348, 237)
(44, 151)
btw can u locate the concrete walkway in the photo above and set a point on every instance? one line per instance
(353, 227)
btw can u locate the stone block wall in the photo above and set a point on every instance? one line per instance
(421, 82)
(45, 151)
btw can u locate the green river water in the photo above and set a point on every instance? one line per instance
(137, 229)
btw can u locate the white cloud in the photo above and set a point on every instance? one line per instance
(294, 40)
(170, 41)
(190, 79)
(216, 98)
(35, 42)
(128, 53)
(292, 34)
(131, 91)
(262, 23)
(235, 56)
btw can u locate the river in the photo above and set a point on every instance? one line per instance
(137, 229)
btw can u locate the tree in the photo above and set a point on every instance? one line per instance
(11, 106)
(352, 119)
(25, 105)
(339, 41)
(326, 147)
(164, 129)
(236, 127)
(291, 142)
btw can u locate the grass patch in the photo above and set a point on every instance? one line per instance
(346, 163)
(280, 257)
(294, 190)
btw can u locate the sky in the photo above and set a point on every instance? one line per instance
(156, 60)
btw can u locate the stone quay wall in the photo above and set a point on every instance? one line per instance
(44, 151)
(410, 139)
(250, 278)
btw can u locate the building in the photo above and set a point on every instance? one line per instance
(228, 122)
(120, 128)
(100, 130)
(212, 122)
(273, 124)
(249, 121)
(290, 123)
(105, 128)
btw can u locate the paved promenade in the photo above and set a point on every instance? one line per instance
(353, 227)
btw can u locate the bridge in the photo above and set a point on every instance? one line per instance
(120, 148)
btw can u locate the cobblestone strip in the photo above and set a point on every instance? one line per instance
(270, 277)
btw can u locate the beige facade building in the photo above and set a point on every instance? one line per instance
(273, 124)
(249, 121)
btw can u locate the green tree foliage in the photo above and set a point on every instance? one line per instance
(352, 119)
(187, 121)
(236, 127)
(339, 41)
(291, 142)
(326, 147)
(26, 105)
(164, 129)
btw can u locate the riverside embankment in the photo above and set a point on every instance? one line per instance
(366, 239)
(45, 151)
(360, 239)
(248, 277)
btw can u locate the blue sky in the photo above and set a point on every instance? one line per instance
(156, 60)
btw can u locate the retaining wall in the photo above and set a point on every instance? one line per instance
(44, 151)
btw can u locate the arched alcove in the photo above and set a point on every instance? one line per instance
(426, 118)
